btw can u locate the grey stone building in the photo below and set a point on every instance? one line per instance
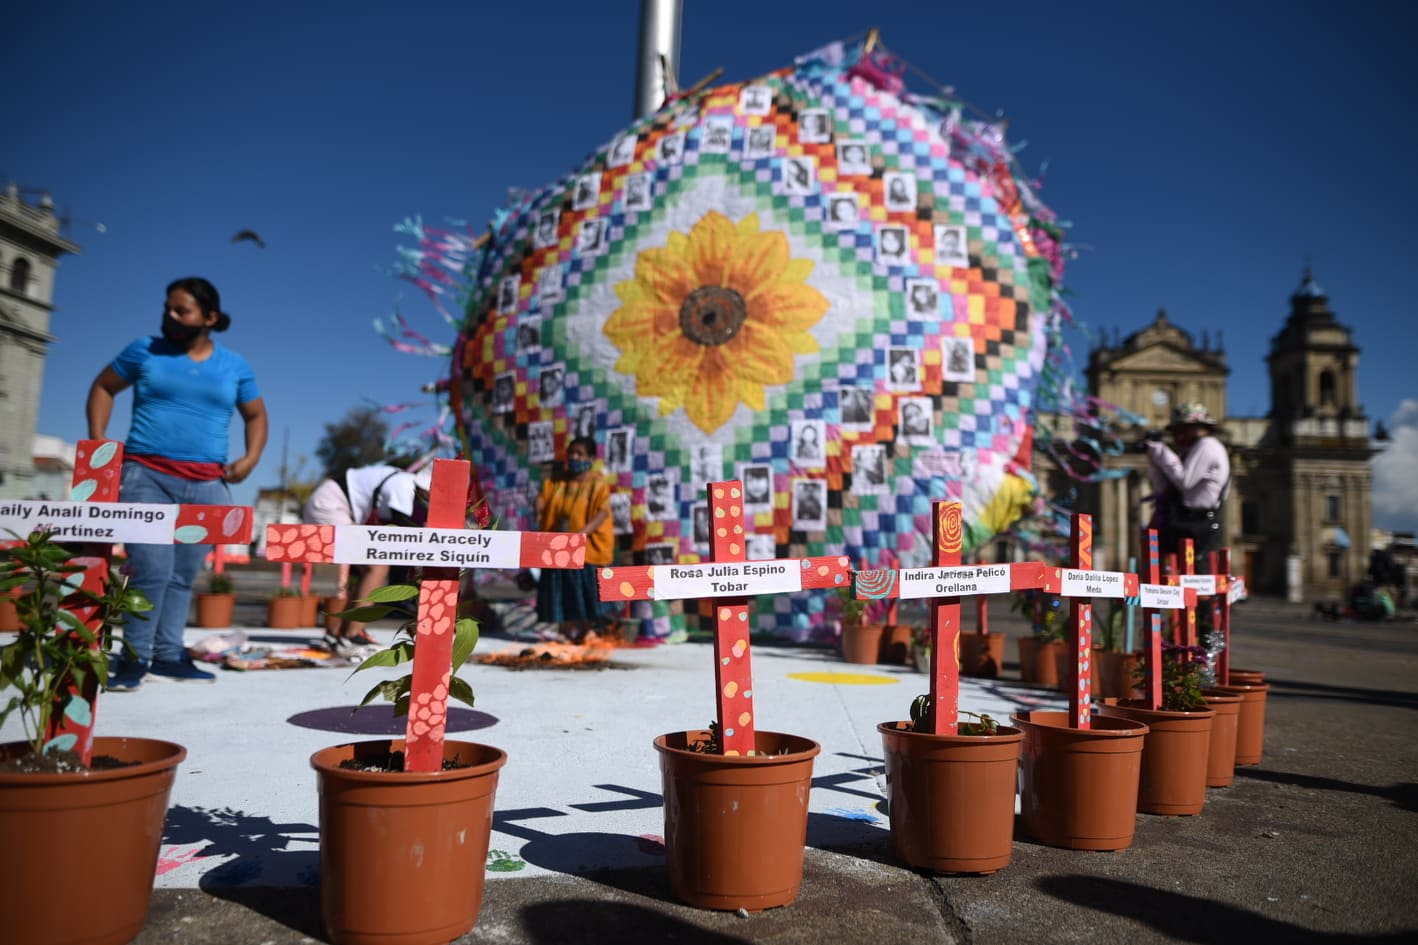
(30, 248)
(1298, 512)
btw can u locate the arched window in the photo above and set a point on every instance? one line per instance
(1327, 388)
(20, 275)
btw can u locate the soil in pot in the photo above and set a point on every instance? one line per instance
(719, 807)
(951, 797)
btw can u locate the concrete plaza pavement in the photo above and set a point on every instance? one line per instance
(1317, 843)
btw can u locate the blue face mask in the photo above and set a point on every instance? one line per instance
(579, 466)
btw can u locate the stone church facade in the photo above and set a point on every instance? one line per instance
(1297, 515)
(30, 247)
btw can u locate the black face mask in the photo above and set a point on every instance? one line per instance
(178, 333)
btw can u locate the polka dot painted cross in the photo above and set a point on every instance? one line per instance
(441, 549)
(728, 580)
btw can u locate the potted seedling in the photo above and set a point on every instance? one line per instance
(735, 795)
(216, 606)
(402, 853)
(68, 805)
(283, 612)
(1176, 746)
(405, 823)
(1039, 650)
(950, 782)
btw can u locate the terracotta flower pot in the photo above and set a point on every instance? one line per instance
(1038, 661)
(981, 654)
(951, 797)
(1244, 677)
(9, 617)
(283, 613)
(332, 605)
(100, 829)
(1250, 724)
(1174, 757)
(310, 610)
(1221, 756)
(1078, 787)
(215, 610)
(1061, 658)
(895, 647)
(735, 826)
(403, 855)
(1115, 671)
(861, 643)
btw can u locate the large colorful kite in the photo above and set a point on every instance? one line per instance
(815, 281)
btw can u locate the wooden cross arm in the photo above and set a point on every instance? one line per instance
(214, 525)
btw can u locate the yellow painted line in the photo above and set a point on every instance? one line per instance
(846, 679)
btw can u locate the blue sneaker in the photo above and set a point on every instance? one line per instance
(183, 670)
(126, 676)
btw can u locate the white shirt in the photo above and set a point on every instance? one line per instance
(1200, 478)
(396, 495)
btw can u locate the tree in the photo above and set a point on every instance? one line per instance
(357, 440)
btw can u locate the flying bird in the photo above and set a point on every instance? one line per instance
(251, 235)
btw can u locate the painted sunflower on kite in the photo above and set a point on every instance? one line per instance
(814, 281)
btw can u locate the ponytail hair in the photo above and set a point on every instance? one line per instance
(206, 296)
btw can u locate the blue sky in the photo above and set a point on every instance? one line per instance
(1200, 152)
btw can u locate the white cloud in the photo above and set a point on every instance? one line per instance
(1396, 472)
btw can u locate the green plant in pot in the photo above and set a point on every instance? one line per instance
(221, 584)
(1048, 622)
(47, 671)
(420, 837)
(51, 805)
(951, 796)
(1177, 745)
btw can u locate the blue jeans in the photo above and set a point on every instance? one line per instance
(164, 573)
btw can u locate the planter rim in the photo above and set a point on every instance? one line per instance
(663, 747)
(450, 747)
(1005, 734)
(1139, 706)
(170, 754)
(1115, 728)
(1241, 688)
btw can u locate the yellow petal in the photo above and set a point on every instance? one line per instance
(793, 307)
(760, 354)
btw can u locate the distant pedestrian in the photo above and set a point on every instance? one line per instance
(185, 389)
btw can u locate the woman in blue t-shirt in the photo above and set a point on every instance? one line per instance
(185, 389)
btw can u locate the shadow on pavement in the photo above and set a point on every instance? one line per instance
(1194, 919)
(263, 873)
(594, 921)
(1285, 689)
(1404, 794)
(380, 720)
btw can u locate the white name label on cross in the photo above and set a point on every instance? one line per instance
(443, 547)
(1079, 582)
(732, 578)
(1162, 596)
(1201, 583)
(919, 583)
(131, 522)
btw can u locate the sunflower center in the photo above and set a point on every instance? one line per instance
(711, 315)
